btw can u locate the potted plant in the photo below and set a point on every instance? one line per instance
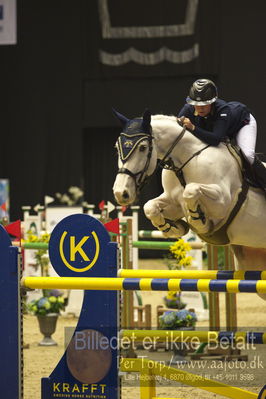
(178, 320)
(181, 319)
(47, 309)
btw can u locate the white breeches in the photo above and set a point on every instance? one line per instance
(246, 139)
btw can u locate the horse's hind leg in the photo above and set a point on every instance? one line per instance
(204, 202)
(166, 216)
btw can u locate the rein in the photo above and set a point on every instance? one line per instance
(179, 171)
(173, 146)
(169, 164)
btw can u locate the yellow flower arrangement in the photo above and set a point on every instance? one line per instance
(44, 237)
(40, 255)
(177, 259)
(179, 250)
(171, 295)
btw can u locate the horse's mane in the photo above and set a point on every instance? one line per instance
(163, 122)
(161, 116)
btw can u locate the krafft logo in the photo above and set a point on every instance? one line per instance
(76, 244)
(82, 252)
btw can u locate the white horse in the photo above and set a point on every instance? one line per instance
(203, 186)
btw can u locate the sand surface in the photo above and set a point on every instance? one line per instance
(40, 361)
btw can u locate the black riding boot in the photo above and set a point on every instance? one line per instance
(260, 173)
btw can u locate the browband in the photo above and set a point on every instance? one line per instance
(127, 143)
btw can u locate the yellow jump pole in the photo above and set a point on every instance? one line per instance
(193, 274)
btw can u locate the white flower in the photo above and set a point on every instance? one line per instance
(75, 191)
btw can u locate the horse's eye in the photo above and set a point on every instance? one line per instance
(142, 148)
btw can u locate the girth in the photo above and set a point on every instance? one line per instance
(220, 237)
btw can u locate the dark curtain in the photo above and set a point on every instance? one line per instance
(41, 105)
(100, 163)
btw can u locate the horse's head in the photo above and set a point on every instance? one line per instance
(137, 159)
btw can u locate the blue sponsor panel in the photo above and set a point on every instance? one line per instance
(80, 247)
(10, 319)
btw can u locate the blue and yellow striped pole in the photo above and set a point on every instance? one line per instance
(145, 284)
(194, 274)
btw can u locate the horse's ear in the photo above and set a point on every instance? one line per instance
(123, 120)
(146, 123)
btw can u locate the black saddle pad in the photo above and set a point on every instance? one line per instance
(247, 169)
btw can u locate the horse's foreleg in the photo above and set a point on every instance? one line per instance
(204, 202)
(166, 216)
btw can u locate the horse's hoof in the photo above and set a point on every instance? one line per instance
(199, 227)
(184, 225)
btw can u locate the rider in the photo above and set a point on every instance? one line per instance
(212, 120)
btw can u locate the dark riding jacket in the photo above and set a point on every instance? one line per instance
(224, 120)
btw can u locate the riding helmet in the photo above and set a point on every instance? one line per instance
(202, 92)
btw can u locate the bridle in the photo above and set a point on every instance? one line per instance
(140, 179)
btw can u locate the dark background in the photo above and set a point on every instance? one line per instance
(57, 127)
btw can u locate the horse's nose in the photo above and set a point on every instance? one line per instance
(121, 196)
(125, 195)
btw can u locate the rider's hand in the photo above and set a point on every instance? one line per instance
(181, 120)
(186, 123)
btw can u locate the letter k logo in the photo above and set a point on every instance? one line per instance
(77, 248)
